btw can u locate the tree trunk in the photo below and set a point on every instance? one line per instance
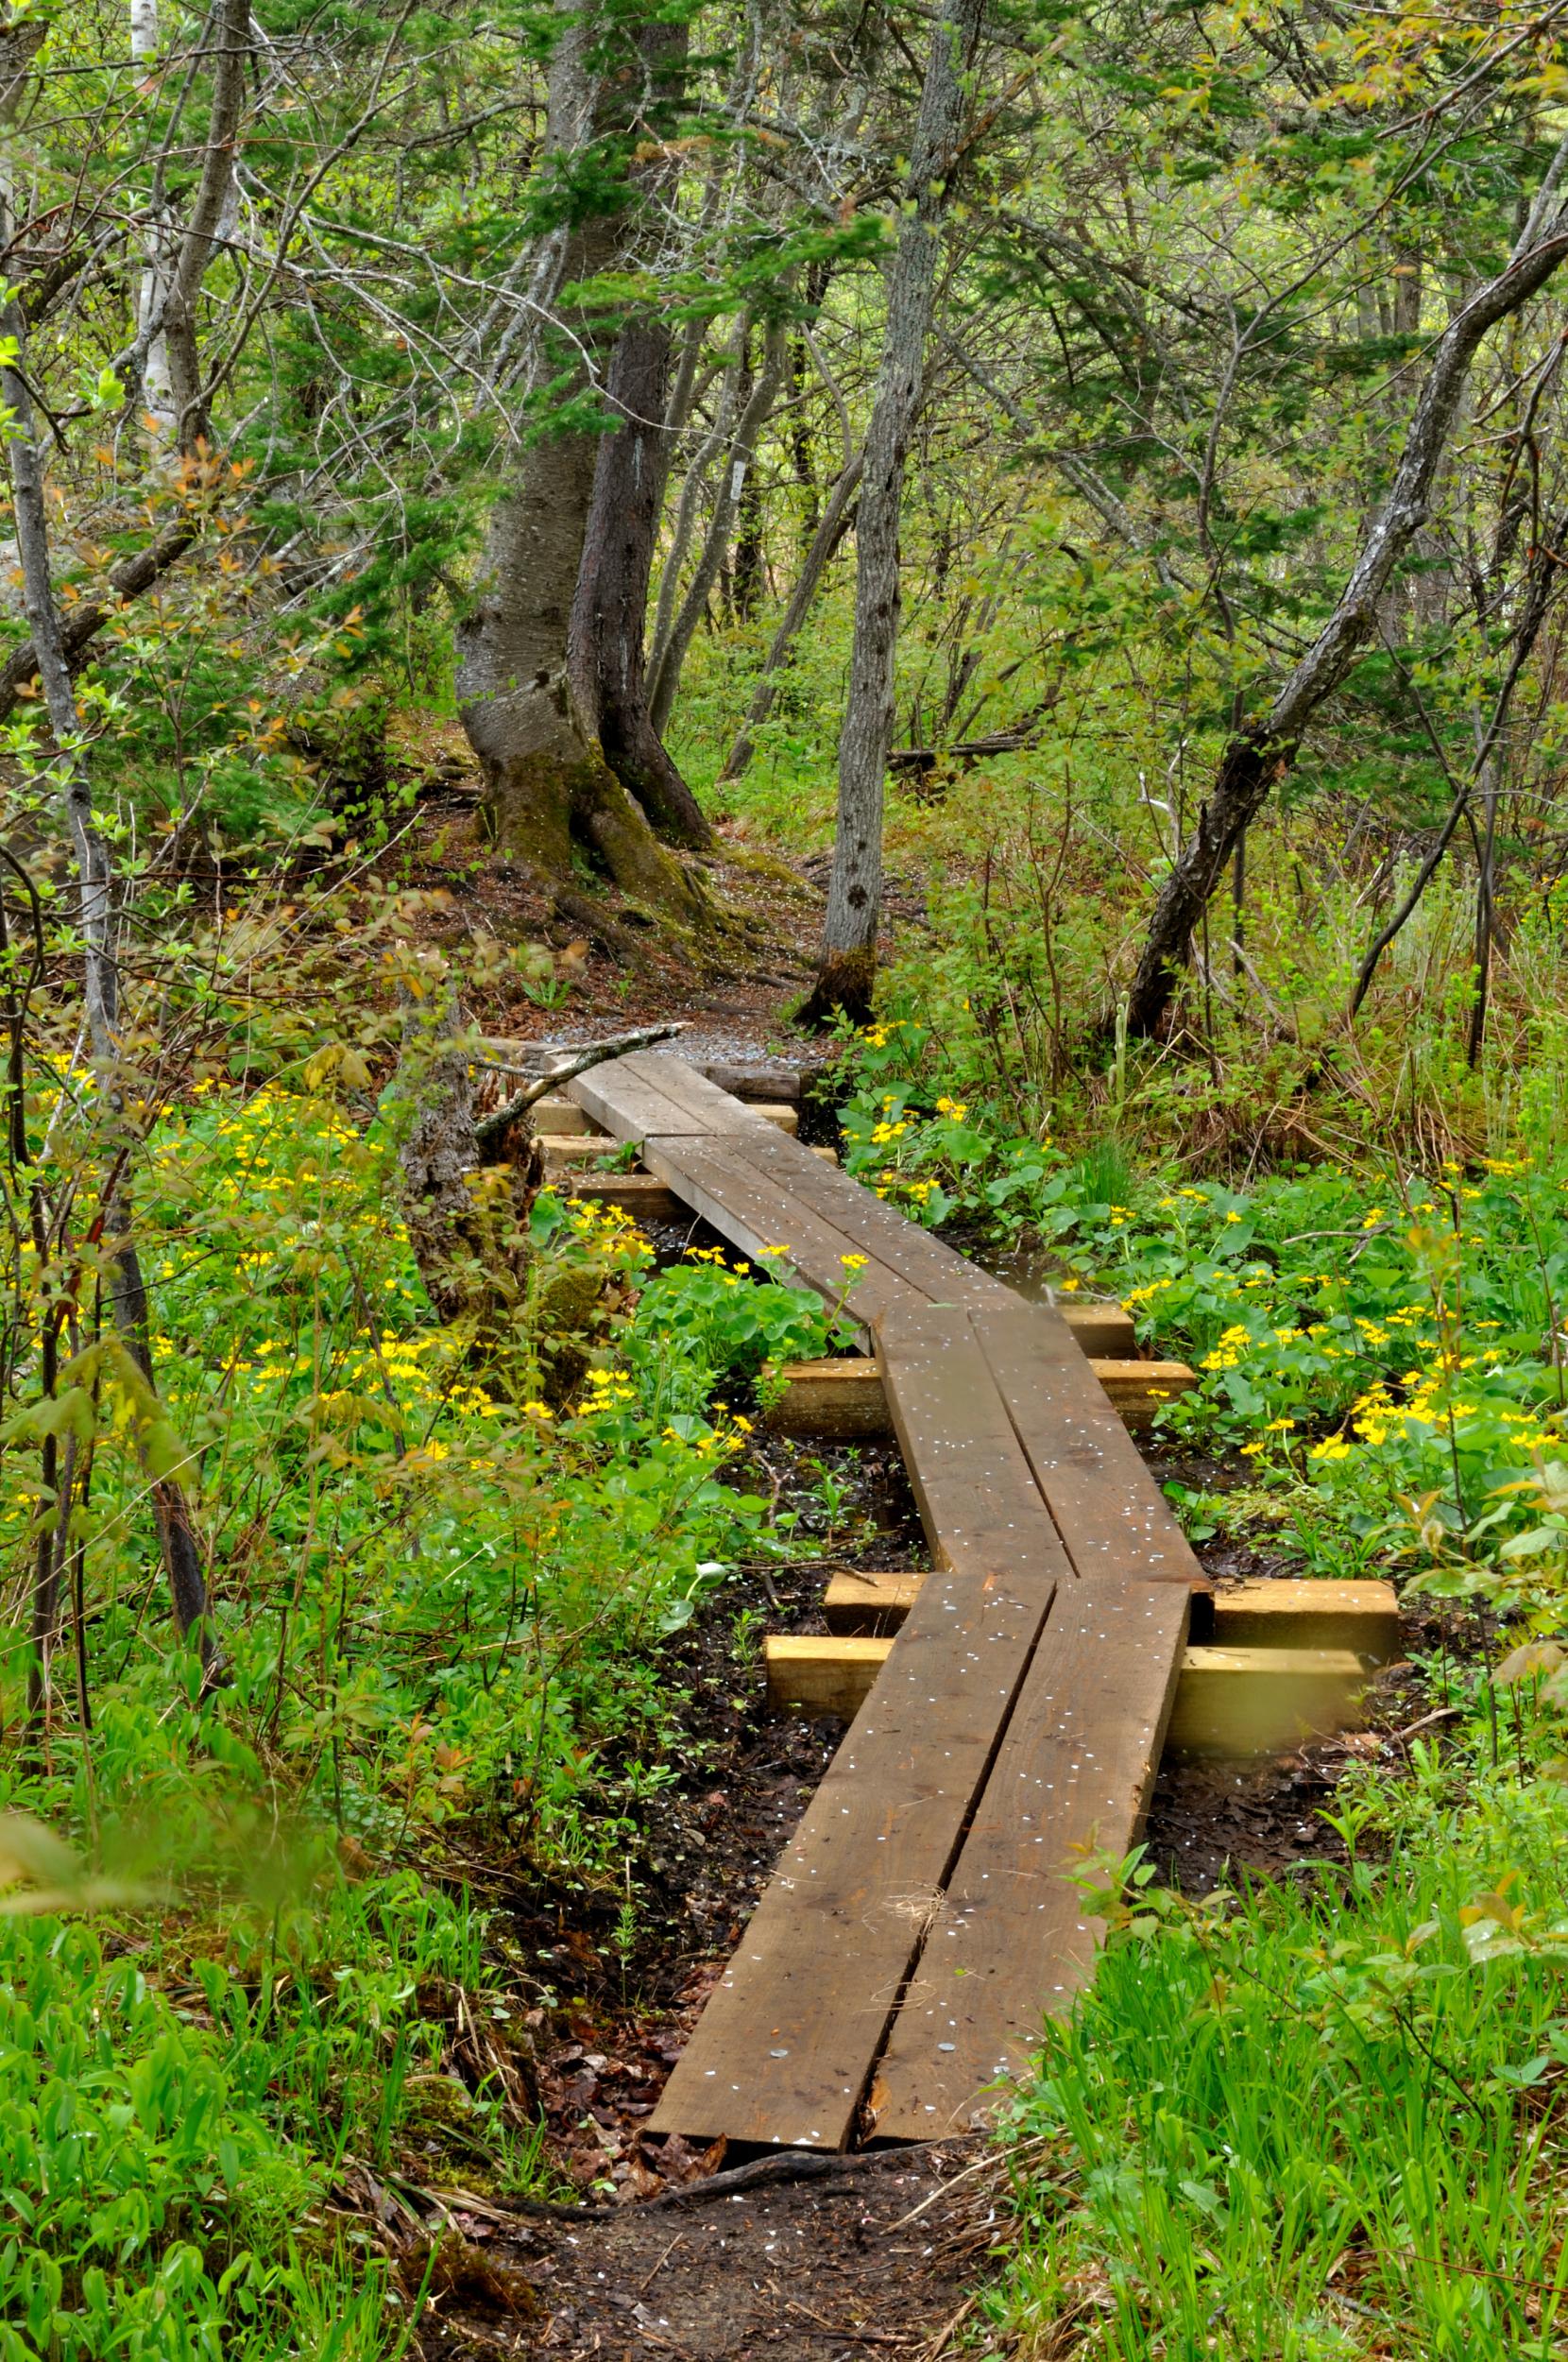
(1259, 757)
(831, 527)
(126, 1288)
(684, 524)
(611, 605)
(754, 417)
(848, 972)
(231, 33)
(152, 293)
(549, 788)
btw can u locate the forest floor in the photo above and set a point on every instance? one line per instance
(829, 2268)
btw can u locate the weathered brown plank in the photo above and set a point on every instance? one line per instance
(648, 1094)
(1012, 1940)
(977, 1498)
(1113, 1520)
(759, 1214)
(936, 1270)
(782, 2051)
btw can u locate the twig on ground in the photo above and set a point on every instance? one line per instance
(791, 2165)
(1411, 1730)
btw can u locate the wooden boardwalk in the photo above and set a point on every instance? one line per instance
(921, 1923)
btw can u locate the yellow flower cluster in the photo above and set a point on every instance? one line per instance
(889, 1180)
(607, 1227)
(954, 1109)
(1228, 1353)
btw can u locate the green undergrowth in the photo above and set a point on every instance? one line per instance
(241, 1964)
(1379, 1348)
(1317, 2120)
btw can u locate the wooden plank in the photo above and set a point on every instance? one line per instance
(783, 2050)
(844, 1397)
(576, 1152)
(822, 1672)
(1114, 1522)
(760, 1078)
(1100, 1328)
(558, 1116)
(642, 1195)
(759, 1212)
(871, 1605)
(649, 1094)
(1228, 1701)
(876, 1228)
(1262, 1701)
(978, 1502)
(1362, 1617)
(1012, 1940)
(1136, 1390)
(839, 1398)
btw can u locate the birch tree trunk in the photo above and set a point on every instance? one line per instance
(229, 33)
(152, 292)
(830, 529)
(1259, 757)
(847, 971)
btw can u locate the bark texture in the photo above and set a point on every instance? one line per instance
(610, 605)
(529, 702)
(755, 413)
(1260, 756)
(175, 320)
(848, 971)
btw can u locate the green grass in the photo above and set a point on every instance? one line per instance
(1291, 2125)
(238, 1965)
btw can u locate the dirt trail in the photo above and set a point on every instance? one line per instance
(825, 2269)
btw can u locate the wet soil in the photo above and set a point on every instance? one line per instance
(825, 2269)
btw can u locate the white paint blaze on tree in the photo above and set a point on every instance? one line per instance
(849, 965)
